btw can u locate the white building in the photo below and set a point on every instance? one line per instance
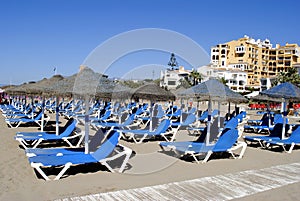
(236, 79)
(171, 78)
(266, 83)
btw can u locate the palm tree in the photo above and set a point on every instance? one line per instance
(222, 80)
(195, 77)
(291, 76)
(183, 83)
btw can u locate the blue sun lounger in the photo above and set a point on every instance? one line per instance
(264, 126)
(232, 124)
(258, 121)
(190, 119)
(33, 140)
(291, 141)
(103, 155)
(103, 118)
(225, 143)
(16, 122)
(94, 142)
(140, 134)
(204, 116)
(28, 134)
(276, 133)
(110, 125)
(27, 112)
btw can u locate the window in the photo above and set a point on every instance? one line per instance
(171, 82)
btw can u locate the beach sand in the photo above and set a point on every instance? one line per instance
(149, 166)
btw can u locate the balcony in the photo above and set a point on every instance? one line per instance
(234, 76)
(287, 63)
(240, 49)
(280, 58)
(288, 52)
(232, 82)
(241, 82)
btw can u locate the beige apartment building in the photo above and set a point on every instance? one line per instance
(258, 58)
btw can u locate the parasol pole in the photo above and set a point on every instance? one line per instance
(25, 103)
(284, 118)
(208, 123)
(219, 114)
(197, 114)
(182, 108)
(151, 115)
(32, 107)
(86, 125)
(228, 116)
(56, 116)
(269, 113)
(43, 110)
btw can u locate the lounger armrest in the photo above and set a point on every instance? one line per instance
(73, 136)
(239, 144)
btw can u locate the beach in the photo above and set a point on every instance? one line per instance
(153, 66)
(149, 166)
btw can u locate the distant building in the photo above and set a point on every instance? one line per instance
(297, 66)
(266, 83)
(256, 57)
(235, 78)
(170, 78)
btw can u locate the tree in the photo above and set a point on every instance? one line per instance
(132, 84)
(195, 77)
(222, 80)
(291, 76)
(157, 81)
(173, 63)
(183, 83)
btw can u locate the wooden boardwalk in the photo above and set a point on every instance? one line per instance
(221, 187)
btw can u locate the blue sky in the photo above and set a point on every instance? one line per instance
(38, 35)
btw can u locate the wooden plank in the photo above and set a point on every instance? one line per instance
(220, 187)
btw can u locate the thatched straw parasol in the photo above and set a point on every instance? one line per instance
(212, 90)
(284, 91)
